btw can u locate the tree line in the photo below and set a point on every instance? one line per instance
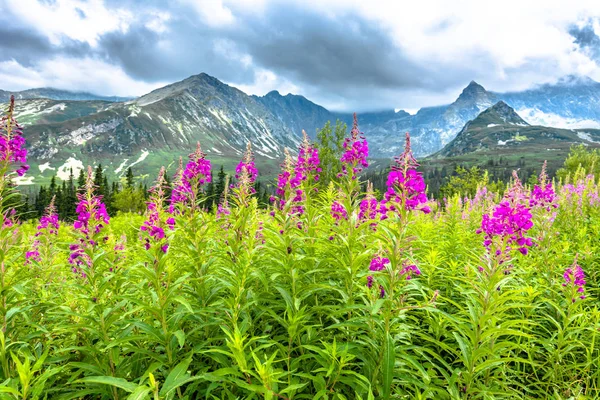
(124, 195)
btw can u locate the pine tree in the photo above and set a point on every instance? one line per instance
(99, 180)
(129, 178)
(52, 187)
(81, 179)
(71, 198)
(220, 186)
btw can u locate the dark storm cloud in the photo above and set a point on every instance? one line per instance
(27, 47)
(346, 59)
(587, 40)
(332, 51)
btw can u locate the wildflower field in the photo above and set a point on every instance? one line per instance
(328, 294)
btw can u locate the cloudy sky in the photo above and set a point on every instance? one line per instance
(351, 55)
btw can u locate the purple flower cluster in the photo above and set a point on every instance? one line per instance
(12, 142)
(378, 263)
(543, 195)
(188, 181)
(91, 212)
(307, 164)
(409, 271)
(246, 174)
(509, 222)
(575, 277)
(338, 211)
(154, 225)
(356, 152)
(247, 165)
(48, 226)
(223, 210)
(405, 185)
(295, 174)
(91, 218)
(368, 209)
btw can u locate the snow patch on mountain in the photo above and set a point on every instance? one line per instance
(587, 136)
(538, 117)
(64, 171)
(45, 166)
(121, 166)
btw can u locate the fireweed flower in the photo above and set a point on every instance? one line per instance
(297, 177)
(47, 227)
(356, 152)
(247, 164)
(368, 206)
(509, 223)
(190, 181)
(155, 225)
(338, 212)
(223, 210)
(246, 174)
(378, 263)
(405, 185)
(575, 280)
(91, 219)
(12, 142)
(543, 195)
(409, 271)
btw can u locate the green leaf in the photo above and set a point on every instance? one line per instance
(139, 394)
(180, 335)
(177, 377)
(110, 380)
(389, 359)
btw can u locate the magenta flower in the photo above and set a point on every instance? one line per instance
(378, 263)
(223, 210)
(543, 195)
(12, 142)
(338, 211)
(246, 174)
(189, 181)
(409, 271)
(575, 278)
(91, 212)
(297, 176)
(405, 185)
(154, 226)
(356, 152)
(247, 164)
(91, 219)
(509, 223)
(47, 227)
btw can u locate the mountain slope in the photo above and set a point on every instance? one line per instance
(57, 94)
(157, 128)
(499, 129)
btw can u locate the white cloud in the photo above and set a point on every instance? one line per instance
(79, 20)
(212, 12)
(504, 45)
(85, 74)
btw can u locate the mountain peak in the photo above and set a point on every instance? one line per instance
(575, 79)
(498, 114)
(273, 93)
(473, 89)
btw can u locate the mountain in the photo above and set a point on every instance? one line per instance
(296, 112)
(155, 129)
(500, 130)
(572, 102)
(57, 94)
